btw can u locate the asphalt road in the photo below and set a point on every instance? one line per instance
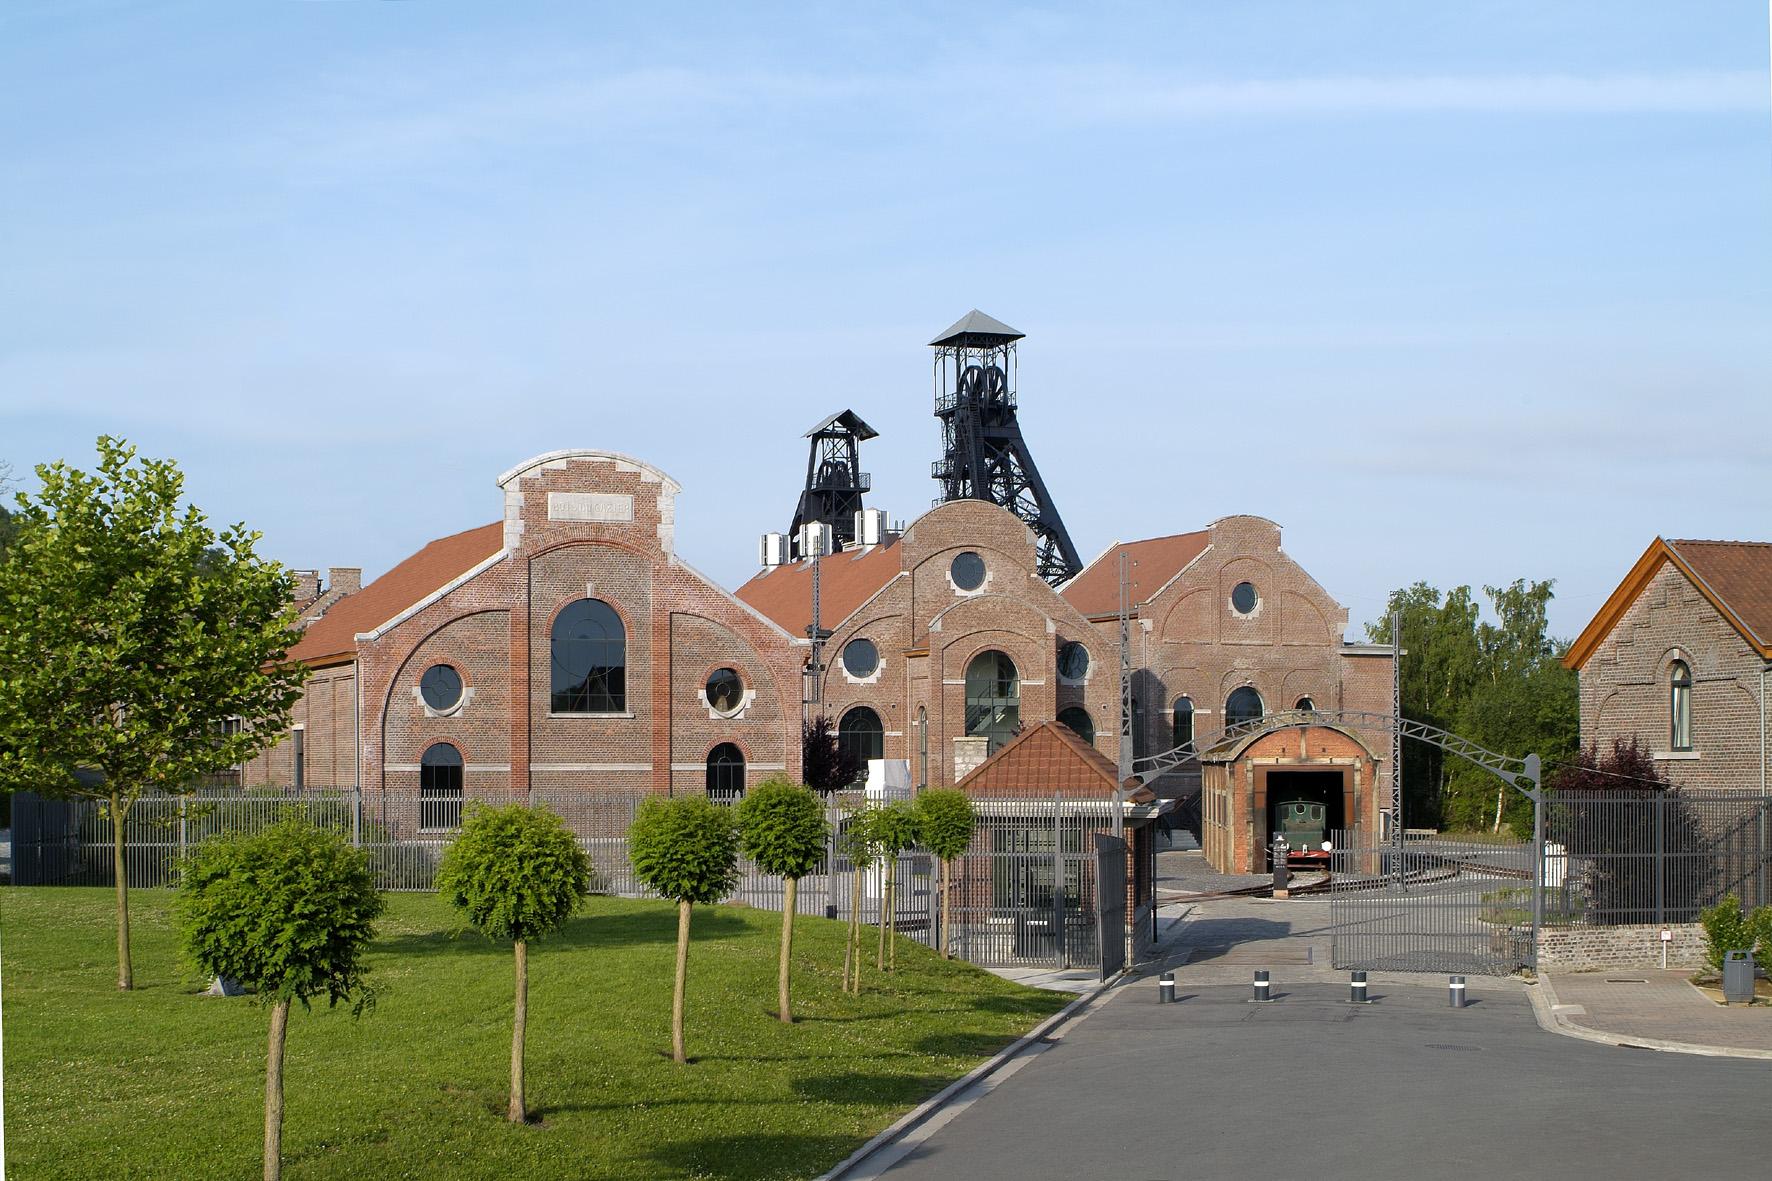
(1407, 1088)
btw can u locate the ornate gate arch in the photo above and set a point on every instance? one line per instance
(1397, 868)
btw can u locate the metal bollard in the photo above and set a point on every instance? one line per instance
(1166, 989)
(1263, 986)
(1456, 991)
(1357, 989)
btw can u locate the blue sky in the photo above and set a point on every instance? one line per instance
(1461, 293)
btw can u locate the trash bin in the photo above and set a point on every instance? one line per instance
(1738, 977)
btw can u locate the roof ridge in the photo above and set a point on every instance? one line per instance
(1714, 541)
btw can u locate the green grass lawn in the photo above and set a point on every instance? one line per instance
(165, 1082)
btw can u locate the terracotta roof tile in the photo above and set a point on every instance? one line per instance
(1740, 574)
(846, 581)
(333, 636)
(1041, 760)
(1096, 591)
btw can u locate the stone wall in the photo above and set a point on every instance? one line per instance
(1589, 949)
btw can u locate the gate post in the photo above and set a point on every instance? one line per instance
(1535, 773)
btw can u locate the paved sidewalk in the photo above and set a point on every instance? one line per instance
(1654, 1008)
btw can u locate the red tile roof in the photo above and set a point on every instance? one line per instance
(846, 581)
(1096, 591)
(1740, 574)
(1043, 759)
(1735, 576)
(332, 638)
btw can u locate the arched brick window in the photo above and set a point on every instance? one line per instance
(859, 731)
(1679, 692)
(439, 787)
(590, 660)
(1243, 705)
(1079, 721)
(1183, 732)
(993, 697)
(725, 774)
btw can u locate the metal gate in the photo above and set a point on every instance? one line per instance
(1437, 906)
(1110, 902)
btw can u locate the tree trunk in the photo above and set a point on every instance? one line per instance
(274, 1091)
(125, 972)
(892, 919)
(855, 929)
(682, 979)
(947, 937)
(790, 888)
(517, 1114)
(885, 905)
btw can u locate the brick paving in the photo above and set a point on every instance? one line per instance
(1663, 1007)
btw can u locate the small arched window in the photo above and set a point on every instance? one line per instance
(590, 658)
(1305, 704)
(725, 774)
(1079, 721)
(1680, 705)
(1243, 705)
(859, 732)
(1184, 721)
(439, 787)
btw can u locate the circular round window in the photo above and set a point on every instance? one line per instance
(1244, 598)
(440, 687)
(1073, 661)
(967, 571)
(860, 658)
(725, 691)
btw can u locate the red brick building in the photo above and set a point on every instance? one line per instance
(566, 648)
(1677, 658)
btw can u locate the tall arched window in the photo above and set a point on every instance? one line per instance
(859, 732)
(1079, 721)
(1183, 732)
(1243, 705)
(993, 698)
(725, 774)
(590, 657)
(922, 747)
(439, 787)
(1680, 705)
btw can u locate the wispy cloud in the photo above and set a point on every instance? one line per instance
(416, 118)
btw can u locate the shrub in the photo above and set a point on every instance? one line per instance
(945, 821)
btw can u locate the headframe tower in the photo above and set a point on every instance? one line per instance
(835, 482)
(984, 456)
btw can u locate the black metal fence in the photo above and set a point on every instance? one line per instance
(1024, 894)
(1630, 857)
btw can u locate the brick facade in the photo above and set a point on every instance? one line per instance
(1627, 667)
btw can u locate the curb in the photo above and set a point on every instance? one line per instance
(1544, 1005)
(920, 1114)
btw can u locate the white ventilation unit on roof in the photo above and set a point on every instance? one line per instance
(772, 550)
(815, 539)
(870, 526)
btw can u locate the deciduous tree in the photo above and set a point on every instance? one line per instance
(515, 873)
(287, 912)
(827, 764)
(945, 821)
(781, 827)
(131, 633)
(894, 829)
(686, 848)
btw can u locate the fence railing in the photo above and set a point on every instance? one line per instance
(1024, 893)
(1631, 857)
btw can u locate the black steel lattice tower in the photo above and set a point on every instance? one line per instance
(984, 454)
(834, 479)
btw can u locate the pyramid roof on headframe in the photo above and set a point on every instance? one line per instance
(976, 324)
(847, 420)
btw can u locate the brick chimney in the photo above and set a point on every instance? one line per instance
(344, 580)
(307, 585)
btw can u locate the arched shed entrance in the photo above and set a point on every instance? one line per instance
(1253, 786)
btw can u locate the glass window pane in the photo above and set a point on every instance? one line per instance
(967, 571)
(993, 698)
(589, 649)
